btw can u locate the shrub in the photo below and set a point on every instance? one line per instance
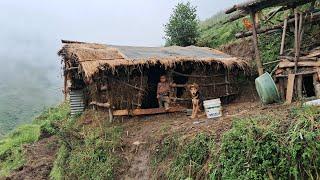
(190, 160)
(272, 147)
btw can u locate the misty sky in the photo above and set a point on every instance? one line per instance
(31, 30)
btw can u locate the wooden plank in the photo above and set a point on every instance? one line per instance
(302, 73)
(138, 112)
(290, 86)
(314, 54)
(303, 58)
(286, 64)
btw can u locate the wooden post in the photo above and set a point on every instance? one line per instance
(299, 86)
(296, 40)
(316, 85)
(140, 92)
(290, 86)
(226, 78)
(110, 115)
(281, 88)
(65, 86)
(255, 43)
(283, 36)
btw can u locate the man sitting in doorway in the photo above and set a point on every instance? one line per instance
(163, 92)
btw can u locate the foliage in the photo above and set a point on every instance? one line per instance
(167, 147)
(218, 34)
(187, 159)
(97, 155)
(87, 152)
(182, 28)
(48, 119)
(11, 155)
(58, 170)
(270, 147)
(190, 160)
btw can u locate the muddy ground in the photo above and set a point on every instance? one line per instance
(39, 162)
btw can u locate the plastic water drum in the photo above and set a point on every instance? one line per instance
(213, 108)
(267, 89)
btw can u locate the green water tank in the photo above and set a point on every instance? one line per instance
(267, 89)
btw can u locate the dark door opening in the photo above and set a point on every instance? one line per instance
(150, 98)
(308, 87)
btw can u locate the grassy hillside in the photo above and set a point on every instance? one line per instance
(213, 33)
(281, 144)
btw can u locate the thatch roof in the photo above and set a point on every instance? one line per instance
(91, 56)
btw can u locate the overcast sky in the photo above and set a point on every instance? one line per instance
(122, 22)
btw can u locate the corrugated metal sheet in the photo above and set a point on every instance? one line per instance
(132, 52)
(76, 102)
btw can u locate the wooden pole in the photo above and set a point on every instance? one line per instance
(296, 40)
(283, 36)
(227, 81)
(65, 86)
(255, 43)
(299, 86)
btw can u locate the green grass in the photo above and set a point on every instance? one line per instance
(284, 144)
(58, 169)
(87, 152)
(275, 147)
(11, 153)
(186, 158)
(11, 146)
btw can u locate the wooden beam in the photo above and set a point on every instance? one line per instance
(290, 86)
(255, 44)
(104, 105)
(203, 85)
(287, 64)
(302, 73)
(139, 112)
(304, 58)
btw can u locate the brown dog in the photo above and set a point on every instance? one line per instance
(196, 99)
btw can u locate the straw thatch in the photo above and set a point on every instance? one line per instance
(91, 57)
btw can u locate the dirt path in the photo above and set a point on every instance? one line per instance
(142, 133)
(40, 157)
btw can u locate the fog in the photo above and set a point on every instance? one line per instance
(30, 34)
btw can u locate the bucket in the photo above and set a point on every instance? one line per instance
(267, 89)
(213, 108)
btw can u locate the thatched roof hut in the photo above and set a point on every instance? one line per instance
(128, 74)
(91, 56)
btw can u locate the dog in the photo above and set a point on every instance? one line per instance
(197, 99)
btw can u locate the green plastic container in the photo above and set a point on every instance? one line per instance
(267, 89)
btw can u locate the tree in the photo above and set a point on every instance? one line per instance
(182, 28)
